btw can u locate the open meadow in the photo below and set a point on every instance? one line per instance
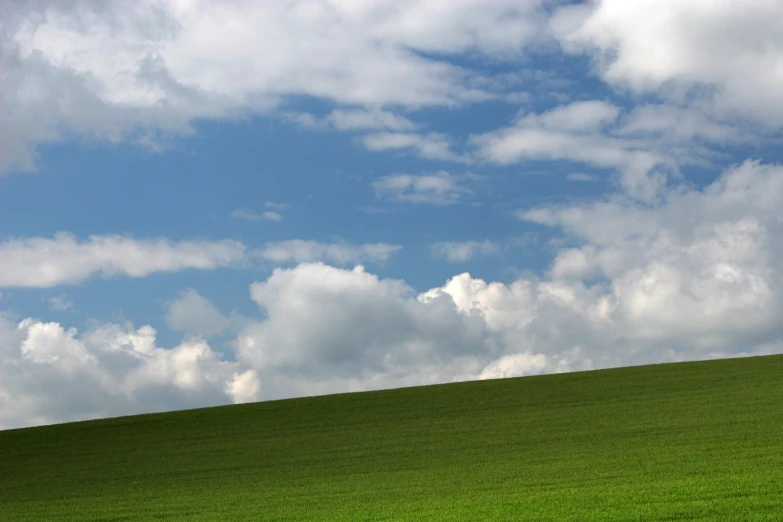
(687, 441)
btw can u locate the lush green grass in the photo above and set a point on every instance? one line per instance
(693, 441)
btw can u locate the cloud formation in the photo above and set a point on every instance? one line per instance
(60, 303)
(433, 145)
(301, 251)
(53, 374)
(247, 215)
(355, 120)
(138, 71)
(693, 277)
(439, 188)
(63, 259)
(460, 251)
(660, 271)
(584, 132)
(194, 315)
(699, 268)
(704, 46)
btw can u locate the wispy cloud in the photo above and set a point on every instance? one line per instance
(440, 188)
(354, 119)
(461, 251)
(302, 251)
(64, 259)
(248, 215)
(581, 132)
(60, 303)
(433, 145)
(580, 176)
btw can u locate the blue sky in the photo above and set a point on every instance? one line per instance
(335, 196)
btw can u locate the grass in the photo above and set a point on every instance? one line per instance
(689, 441)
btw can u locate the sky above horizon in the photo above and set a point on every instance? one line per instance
(207, 203)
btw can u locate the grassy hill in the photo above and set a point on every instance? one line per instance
(690, 441)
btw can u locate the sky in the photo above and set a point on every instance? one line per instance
(206, 203)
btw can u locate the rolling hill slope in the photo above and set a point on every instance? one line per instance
(688, 441)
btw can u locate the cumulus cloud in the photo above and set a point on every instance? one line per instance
(692, 277)
(136, 71)
(688, 274)
(358, 326)
(439, 188)
(704, 47)
(193, 314)
(699, 268)
(64, 259)
(460, 251)
(53, 374)
(527, 363)
(142, 71)
(695, 276)
(301, 251)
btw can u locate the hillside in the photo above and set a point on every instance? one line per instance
(688, 441)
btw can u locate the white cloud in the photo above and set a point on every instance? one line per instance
(433, 145)
(527, 363)
(374, 119)
(195, 315)
(681, 124)
(276, 206)
(248, 215)
(367, 333)
(144, 70)
(60, 303)
(690, 274)
(699, 268)
(707, 47)
(356, 119)
(63, 259)
(581, 116)
(461, 251)
(122, 71)
(244, 387)
(581, 132)
(579, 176)
(439, 188)
(358, 327)
(695, 276)
(52, 374)
(301, 251)
(691, 277)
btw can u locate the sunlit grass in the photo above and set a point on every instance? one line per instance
(692, 441)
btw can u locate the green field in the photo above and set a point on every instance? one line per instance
(690, 441)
